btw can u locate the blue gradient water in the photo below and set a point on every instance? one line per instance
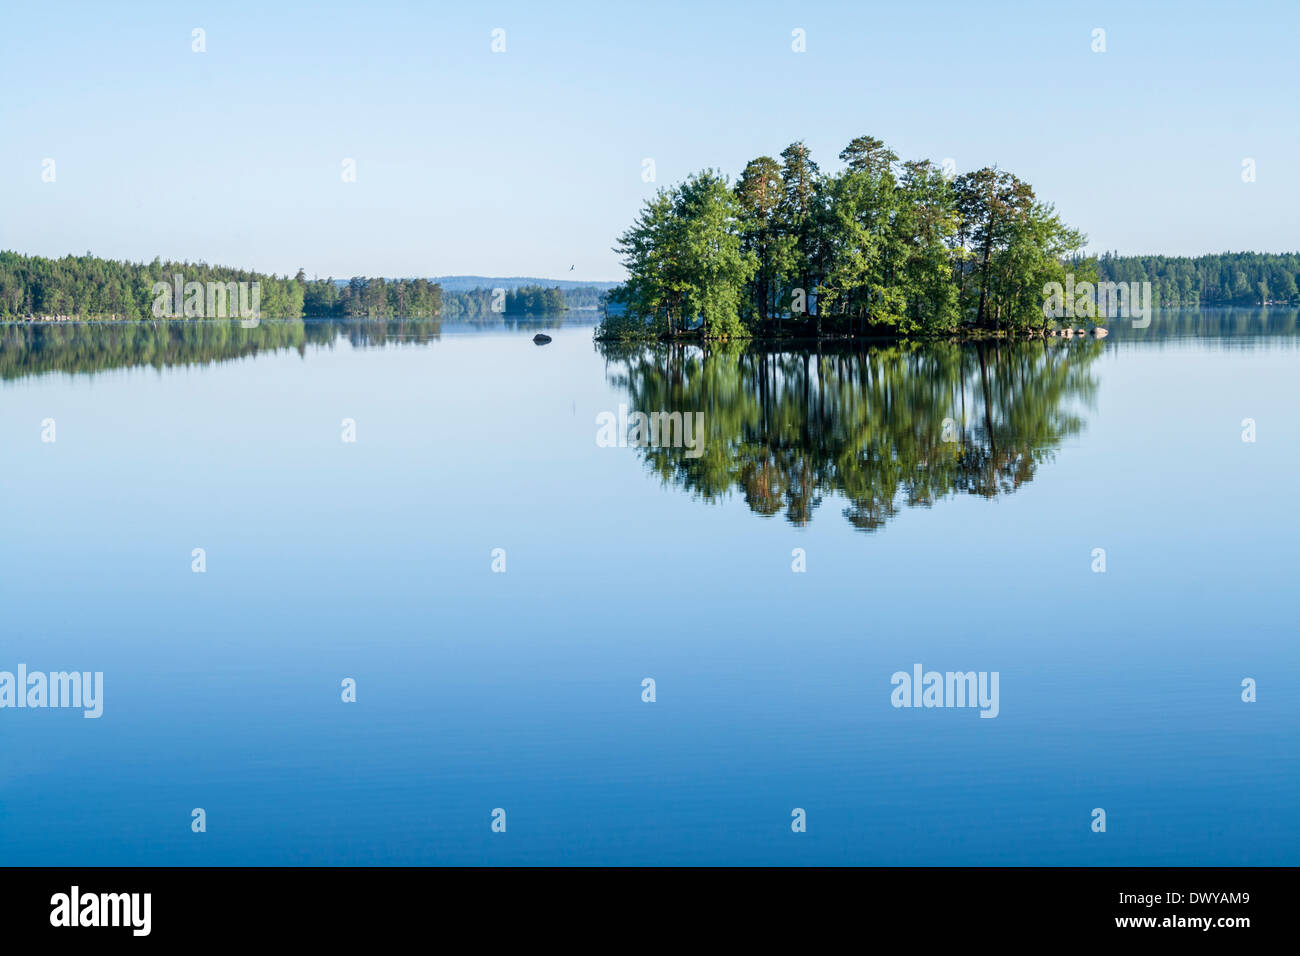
(522, 690)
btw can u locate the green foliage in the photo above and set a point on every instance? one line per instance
(582, 297)
(525, 300)
(759, 192)
(1229, 278)
(882, 246)
(686, 260)
(534, 300)
(87, 287)
(372, 298)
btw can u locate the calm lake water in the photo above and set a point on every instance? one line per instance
(959, 545)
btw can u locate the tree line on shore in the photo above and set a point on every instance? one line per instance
(524, 300)
(88, 287)
(369, 298)
(1228, 278)
(92, 288)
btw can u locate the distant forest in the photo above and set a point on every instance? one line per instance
(526, 300)
(87, 287)
(1229, 278)
(371, 298)
(91, 288)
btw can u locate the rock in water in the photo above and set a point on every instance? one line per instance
(541, 339)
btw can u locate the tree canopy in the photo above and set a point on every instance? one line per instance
(883, 245)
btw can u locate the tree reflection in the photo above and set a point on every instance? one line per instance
(84, 347)
(884, 428)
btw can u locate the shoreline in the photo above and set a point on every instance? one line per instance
(696, 337)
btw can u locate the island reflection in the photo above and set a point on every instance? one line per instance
(885, 428)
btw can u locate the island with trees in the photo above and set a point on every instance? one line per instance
(882, 248)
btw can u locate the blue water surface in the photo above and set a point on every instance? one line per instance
(522, 690)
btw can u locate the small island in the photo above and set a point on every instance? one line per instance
(881, 249)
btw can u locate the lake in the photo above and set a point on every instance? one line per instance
(499, 583)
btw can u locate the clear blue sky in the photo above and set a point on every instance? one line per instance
(529, 161)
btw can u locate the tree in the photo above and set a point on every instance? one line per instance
(649, 249)
(715, 267)
(992, 203)
(758, 193)
(868, 154)
(800, 255)
(925, 226)
(685, 260)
